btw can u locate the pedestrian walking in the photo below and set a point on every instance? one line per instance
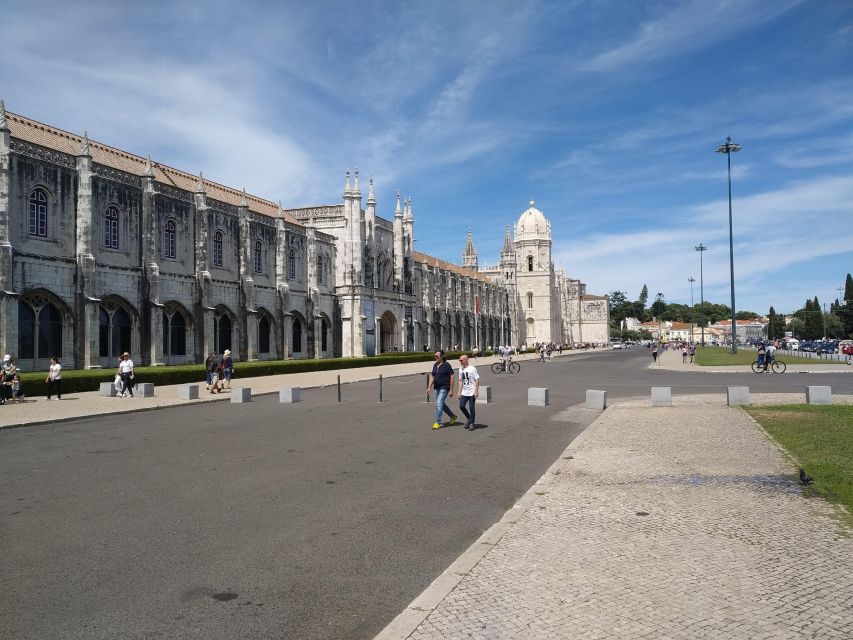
(54, 378)
(441, 379)
(227, 368)
(125, 370)
(654, 353)
(469, 391)
(214, 371)
(207, 364)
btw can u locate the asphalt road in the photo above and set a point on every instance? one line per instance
(313, 520)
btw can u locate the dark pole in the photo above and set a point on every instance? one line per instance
(728, 148)
(701, 249)
(691, 280)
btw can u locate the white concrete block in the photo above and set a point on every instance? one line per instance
(107, 389)
(661, 396)
(144, 390)
(239, 395)
(596, 399)
(485, 394)
(737, 396)
(289, 395)
(537, 397)
(188, 392)
(818, 395)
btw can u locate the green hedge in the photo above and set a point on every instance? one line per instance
(76, 380)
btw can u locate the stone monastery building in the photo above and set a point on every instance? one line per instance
(103, 251)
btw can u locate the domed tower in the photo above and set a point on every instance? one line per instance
(534, 277)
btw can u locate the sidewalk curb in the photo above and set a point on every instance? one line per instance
(423, 605)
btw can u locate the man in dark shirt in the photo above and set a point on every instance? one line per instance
(441, 379)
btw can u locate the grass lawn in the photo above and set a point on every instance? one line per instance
(821, 440)
(719, 356)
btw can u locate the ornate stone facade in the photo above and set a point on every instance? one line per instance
(544, 305)
(102, 251)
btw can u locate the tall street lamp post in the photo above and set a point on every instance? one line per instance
(701, 248)
(691, 280)
(729, 147)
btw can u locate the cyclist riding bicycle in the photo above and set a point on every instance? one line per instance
(761, 355)
(769, 355)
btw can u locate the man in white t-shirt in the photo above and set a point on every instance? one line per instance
(125, 370)
(469, 390)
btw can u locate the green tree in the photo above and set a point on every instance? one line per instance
(775, 325)
(834, 327)
(797, 327)
(811, 316)
(745, 315)
(644, 296)
(616, 299)
(659, 305)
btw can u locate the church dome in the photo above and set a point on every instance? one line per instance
(532, 224)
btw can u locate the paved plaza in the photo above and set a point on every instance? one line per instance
(666, 522)
(681, 522)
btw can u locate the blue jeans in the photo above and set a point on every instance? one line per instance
(440, 397)
(471, 413)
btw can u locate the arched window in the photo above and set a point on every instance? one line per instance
(222, 333)
(291, 265)
(530, 263)
(174, 332)
(38, 213)
(115, 328)
(217, 248)
(111, 228)
(39, 329)
(529, 300)
(264, 335)
(169, 240)
(259, 257)
(297, 336)
(319, 269)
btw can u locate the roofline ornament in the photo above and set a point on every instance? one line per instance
(85, 147)
(3, 123)
(244, 201)
(199, 188)
(149, 168)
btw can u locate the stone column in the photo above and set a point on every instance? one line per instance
(8, 298)
(151, 271)
(88, 304)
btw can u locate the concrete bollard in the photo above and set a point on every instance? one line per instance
(107, 389)
(818, 395)
(596, 399)
(737, 396)
(537, 397)
(661, 396)
(144, 390)
(289, 395)
(188, 392)
(239, 395)
(485, 394)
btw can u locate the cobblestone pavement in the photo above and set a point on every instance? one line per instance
(682, 522)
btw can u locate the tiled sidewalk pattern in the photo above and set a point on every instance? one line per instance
(730, 547)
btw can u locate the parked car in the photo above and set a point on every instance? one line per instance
(616, 345)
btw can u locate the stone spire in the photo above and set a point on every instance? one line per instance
(199, 188)
(244, 201)
(149, 168)
(356, 190)
(507, 248)
(398, 212)
(280, 212)
(469, 256)
(371, 197)
(3, 123)
(85, 147)
(347, 188)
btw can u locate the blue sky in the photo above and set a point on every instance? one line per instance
(607, 113)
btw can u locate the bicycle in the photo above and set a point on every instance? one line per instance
(777, 366)
(500, 366)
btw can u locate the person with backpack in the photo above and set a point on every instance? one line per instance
(227, 368)
(214, 370)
